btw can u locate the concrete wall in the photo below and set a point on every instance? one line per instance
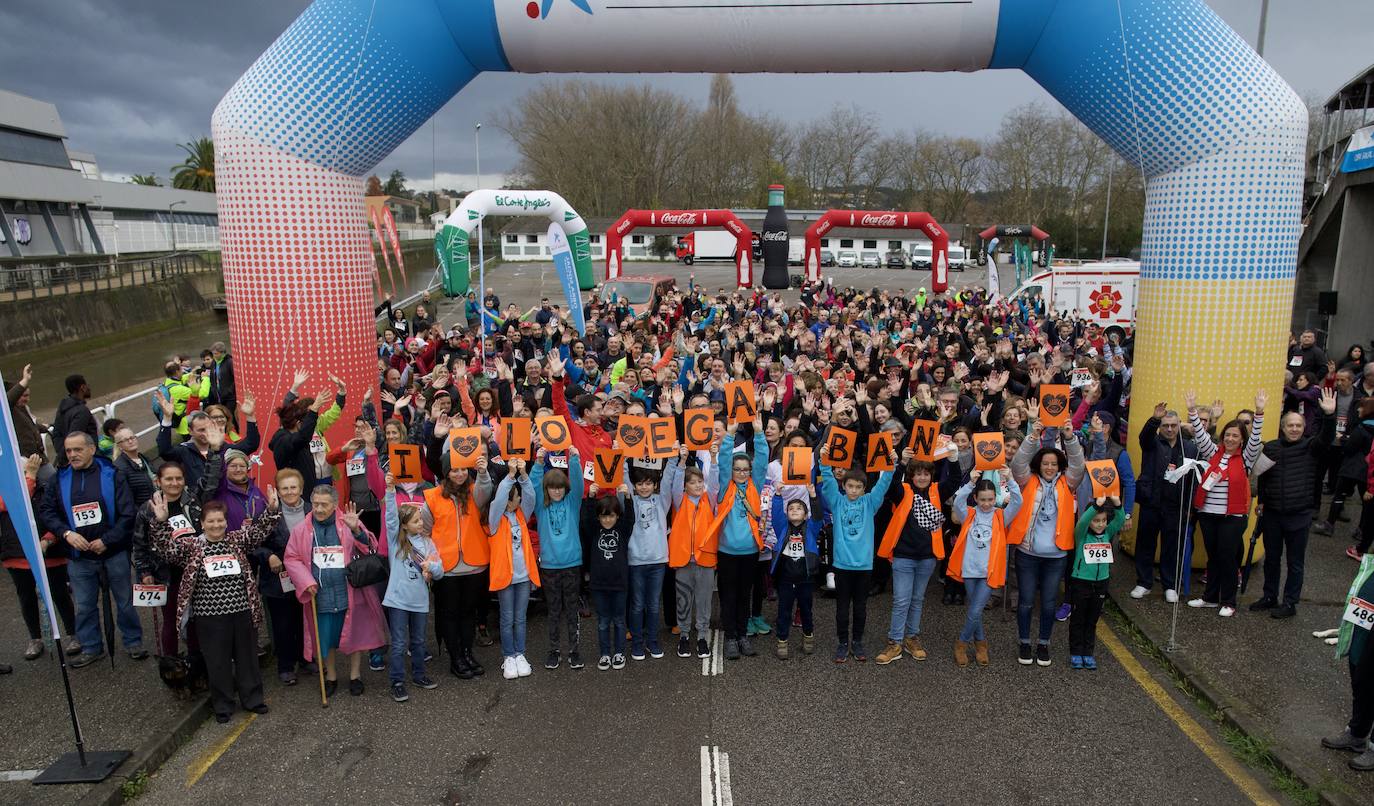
(46, 322)
(1354, 272)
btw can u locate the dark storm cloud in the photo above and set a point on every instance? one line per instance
(132, 79)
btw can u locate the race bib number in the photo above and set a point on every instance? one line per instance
(221, 565)
(329, 557)
(559, 461)
(150, 595)
(589, 472)
(1359, 612)
(356, 467)
(181, 525)
(86, 514)
(1211, 481)
(317, 444)
(1097, 553)
(648, 464)
(286, 586)
(1295, 361)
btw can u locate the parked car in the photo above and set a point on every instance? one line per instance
(921, 255)
(848, 260)
(642, 291)
(958, 257)
(896, 259)
(870, 260)
(827, 258)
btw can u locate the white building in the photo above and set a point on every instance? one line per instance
(53, 202)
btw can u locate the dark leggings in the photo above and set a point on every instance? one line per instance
(851, 590)
(734, 576)
(760, 588)
(1345, 488)
(1223, 536)
(1366, 527)
(457, 600)
(27, 588)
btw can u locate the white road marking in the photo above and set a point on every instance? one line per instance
(29, 775)
(715, 664)
(715, 777)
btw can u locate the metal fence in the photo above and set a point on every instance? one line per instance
(55, 279)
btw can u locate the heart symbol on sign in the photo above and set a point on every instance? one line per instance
(465, 445)
(631, 435)
(989, 448)
(1054, 404)
(1105, 476)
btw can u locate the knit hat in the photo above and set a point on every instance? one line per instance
(1107, 419)
(234, 453)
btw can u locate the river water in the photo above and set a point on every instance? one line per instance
(137, 362)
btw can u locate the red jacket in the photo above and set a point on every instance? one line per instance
(586, 438)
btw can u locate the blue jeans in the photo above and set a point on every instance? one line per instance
(646, 593)
(1037, 575)
(85, 578)
(610, 620)
(514, 600)
(407, 632)
(977, 592)
(909, 580)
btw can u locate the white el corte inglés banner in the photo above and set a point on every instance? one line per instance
(1359, 155)
(451, 244)
(746, 36)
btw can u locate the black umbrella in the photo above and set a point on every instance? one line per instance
(107, 608)
(1250, 557)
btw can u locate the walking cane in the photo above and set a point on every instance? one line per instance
(319, 653)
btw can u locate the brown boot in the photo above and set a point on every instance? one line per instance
(913, 647)
(960, 654)
(980, 652)
(891, 652)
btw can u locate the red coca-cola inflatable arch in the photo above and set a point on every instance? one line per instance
(695, 219)
(881, 219)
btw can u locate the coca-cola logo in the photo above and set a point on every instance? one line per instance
(678, 218)
(623, 226)
(778, 235)
(823, 228)
(885, 220)
(733, 227)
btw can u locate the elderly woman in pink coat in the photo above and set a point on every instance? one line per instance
(317, 554)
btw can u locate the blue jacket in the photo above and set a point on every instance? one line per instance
(853, 520)
(559, 543)
(812, 540)
(115, 529)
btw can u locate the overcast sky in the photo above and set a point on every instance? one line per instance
(132, 79)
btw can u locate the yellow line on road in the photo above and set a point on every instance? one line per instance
(206, 760)
(1190, 727)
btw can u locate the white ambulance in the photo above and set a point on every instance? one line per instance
(1104, 292)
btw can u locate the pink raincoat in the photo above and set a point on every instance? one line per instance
(364, 625)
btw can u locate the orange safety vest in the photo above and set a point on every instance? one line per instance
(727, 502)
(503, 554)
(457, 537)
(1063, 526)
(899, 515)
(691, 536)
(997, 552)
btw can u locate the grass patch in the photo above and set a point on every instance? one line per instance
(1249, 750)
(134, 786)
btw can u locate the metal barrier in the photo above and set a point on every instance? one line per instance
(54, 279)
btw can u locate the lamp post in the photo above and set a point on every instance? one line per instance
(171, 225)
(481, 254)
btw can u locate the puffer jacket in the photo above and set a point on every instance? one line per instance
(1354, 465)
(1286, 488)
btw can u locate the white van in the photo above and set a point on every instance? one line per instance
(921, 253)
(1104, 293)
(958, 257)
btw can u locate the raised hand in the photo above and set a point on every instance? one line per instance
(164, 402)
(1328, 401)
(159, 506)
(1218, 409)
(1160, 410)
(556, 364)
(31, 465)
(1190, 400)
(1261, 397)
(350, 517)
(299, 379)
(442, 425)
(214, 435)
(272, 498)
(249, 406)
(26, 376)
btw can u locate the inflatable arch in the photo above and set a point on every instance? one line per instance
(697, 219)
(880, 219)
(451, 244)
(1217, 134)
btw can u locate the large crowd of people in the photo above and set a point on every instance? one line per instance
(853, 441)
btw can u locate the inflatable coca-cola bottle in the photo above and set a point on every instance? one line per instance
(775, 240)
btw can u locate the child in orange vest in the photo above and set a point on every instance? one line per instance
(514, 568)
(979, 557)
(692, 556)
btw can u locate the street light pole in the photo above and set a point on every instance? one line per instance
(171, 225)
(1264, 25)
(481, 254)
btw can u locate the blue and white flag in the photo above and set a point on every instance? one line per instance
(1359, 155)
(567, 275)
(15, 493)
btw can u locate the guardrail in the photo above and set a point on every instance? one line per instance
(54, 279)
(108, 410)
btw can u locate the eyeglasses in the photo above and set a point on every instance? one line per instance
(126, 440)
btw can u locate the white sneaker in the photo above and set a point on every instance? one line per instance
(1226, 612)
(1171, 596)
(522, 666)
(1139, 591)
(830, 580)
(1201, 603)
(508, 669)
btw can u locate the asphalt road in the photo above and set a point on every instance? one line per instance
(802, 730)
